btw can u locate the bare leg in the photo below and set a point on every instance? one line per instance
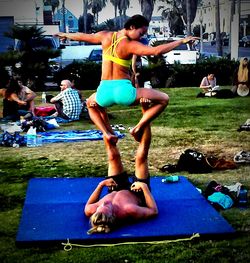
(141, 161)
(99, 116)
(115, 166)
(159, 102)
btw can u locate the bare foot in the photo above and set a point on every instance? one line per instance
(136, 132)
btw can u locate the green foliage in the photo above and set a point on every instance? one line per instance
(191, 75)
(24, 33)
(33, 61)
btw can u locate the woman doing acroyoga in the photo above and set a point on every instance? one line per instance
(115, 86)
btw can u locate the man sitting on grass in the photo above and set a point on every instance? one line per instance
(67, 103)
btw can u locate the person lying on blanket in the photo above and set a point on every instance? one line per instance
(125, 201)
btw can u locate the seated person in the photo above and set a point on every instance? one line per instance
(241, 78)
(208, 83)
(126, 202)
(26, 94)
(11, 102)
(67, 103)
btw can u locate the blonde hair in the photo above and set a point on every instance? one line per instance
(100, 223)
(243, 71)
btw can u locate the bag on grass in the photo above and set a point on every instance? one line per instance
(193, 162)
(9, 140)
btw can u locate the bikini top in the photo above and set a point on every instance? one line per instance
(110, 53)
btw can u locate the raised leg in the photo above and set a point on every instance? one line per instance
(141, 160)
(100, 118)
(159, 101)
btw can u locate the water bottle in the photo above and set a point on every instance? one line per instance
(31, 137)
(44, 97)
(39, 140)
(170, 179)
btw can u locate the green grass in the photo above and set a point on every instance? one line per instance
(206, 124)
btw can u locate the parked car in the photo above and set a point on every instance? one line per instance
(46, 42)
(183, 54)
(224, 41)
(245, 41)
(76, 53)
(96, 55)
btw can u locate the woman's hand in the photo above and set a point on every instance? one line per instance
(22, 102)
(61, 35)
(189, 39)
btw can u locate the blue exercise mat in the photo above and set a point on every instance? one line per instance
(53, 212)
(74, 136)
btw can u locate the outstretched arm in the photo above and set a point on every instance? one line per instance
(137, 48)
(90, 38)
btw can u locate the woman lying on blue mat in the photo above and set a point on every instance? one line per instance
(116, 86)
(125, 200)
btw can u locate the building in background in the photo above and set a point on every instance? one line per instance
(24, 12)
(206, 15)
(71, 22)
(159, 27)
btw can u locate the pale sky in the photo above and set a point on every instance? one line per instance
(76, 7)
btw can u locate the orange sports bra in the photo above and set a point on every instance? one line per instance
(111, 55)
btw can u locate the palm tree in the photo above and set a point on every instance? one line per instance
(188, 17)
(86, 6)
(115, 3)
(34, 60)
(123, 5)
(54, 4)
(147, 8)
(217, 23)
(184, 9)
(97, 6)
(172, 11)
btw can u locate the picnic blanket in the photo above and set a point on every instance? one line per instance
(74, 136)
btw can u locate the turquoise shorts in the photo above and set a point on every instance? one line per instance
(120, 91)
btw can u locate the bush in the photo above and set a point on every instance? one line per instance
(191, 75)
(87, 74)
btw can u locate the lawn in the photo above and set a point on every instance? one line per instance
(206, 124)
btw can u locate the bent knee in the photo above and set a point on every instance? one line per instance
(165, 100)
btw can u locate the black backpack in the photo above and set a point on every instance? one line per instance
(193, 162)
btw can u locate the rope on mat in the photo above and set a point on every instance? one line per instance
(68, 246)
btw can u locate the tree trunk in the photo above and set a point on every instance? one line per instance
(188, 9)
(218, 34)
(147, 8)
(85, 12)
(64, 20)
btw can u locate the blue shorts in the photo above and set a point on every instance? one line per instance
(120, 91)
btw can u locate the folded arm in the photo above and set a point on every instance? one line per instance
(139, 212)
(14, 97)
(91, 204)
